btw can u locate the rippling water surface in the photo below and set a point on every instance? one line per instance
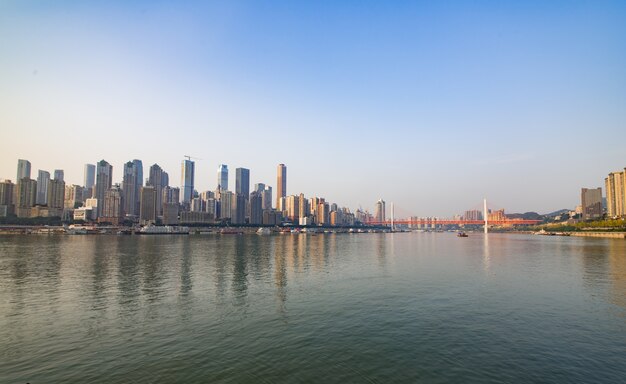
(366, 308)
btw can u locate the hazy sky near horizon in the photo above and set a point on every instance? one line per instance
(431, 105)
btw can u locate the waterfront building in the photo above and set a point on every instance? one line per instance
(313, 204)
(73, 196)
(56, 194)
(170, 213)
(242, 182)
(222, 177)
(323, 213)
(187, 181)
(292, 205)
(591, 203)
(7, 189)
(26, 196)
(147, 206)
(226, 203)
(380, 211)
(89, 180)
(85, 214)
(473, 214)
(615, 186)
(187, 218)
(496, 215)
(210, 206)
(113, 206)
(281, 185)
(259, 187)
(104, 176)
(303, 206)
(165, 179)
(272, 217)
(171, 195)
(155, 179)
(43, 178)
(59, 174)
(196, 205)
(256, 207)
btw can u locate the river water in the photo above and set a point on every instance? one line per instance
(331, 308)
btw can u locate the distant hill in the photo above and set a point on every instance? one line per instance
(557, 213)
(525, 216)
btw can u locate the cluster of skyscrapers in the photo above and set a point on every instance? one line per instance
(156, 202)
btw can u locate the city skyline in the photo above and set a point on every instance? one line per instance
(429, 106)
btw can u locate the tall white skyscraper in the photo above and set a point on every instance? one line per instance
(23, 169)
(281, 185)
(222, 177)
(43, 178)
(187, 181)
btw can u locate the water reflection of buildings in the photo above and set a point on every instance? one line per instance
(617, 262)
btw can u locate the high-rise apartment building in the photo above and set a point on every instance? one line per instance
(303, 206)
(292, 206)
(56, 194)
(238, 210)
(256, 207)
(113, 205)
(26, 196)
(59, 175)
(90, 180)
(131, 183)
(226, 203)
(155, 179)
(43, 178)
(242, 182)
(147, 212)
(379, 212)
(104, 177)
(222, 177)
(73, 196)
(591, 202)
(23, 169)
(187, 181)
(266, 198)
(281, 185)
(615, 186)
(7, 189)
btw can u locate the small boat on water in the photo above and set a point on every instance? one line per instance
(462, 234)
(263, 231)
(162, 230)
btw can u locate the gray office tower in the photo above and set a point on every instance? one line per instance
(242, 182)
(187, 181)
(43, 178)
(23, 169)
(90, 179)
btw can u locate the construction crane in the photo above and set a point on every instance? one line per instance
(191, 157)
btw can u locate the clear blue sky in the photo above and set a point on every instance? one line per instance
(431, 105)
